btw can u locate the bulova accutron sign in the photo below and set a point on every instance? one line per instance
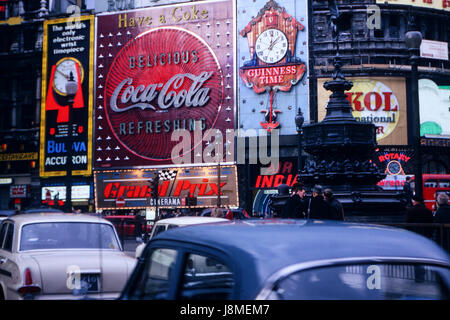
(158, 71)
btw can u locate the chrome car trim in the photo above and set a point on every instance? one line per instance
(286, 271)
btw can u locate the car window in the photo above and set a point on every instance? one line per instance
(157, 274)
(172, 226)
(206, 278)
(2, 233)
(366, 282)
(68, 235)
(7, 244)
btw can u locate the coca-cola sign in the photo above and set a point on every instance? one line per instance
(152, 88)
(173, 72)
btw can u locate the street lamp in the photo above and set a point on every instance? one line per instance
(413, 39)
(299, 120)
(71, 90)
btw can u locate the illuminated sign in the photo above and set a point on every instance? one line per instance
(275, 43)
(19, 191)
(175, 185)
(66, 127)
(286, 173)
(145, 93)
(79, 192)
(6, 180)
(433, 4)
(381, 101)
(18, 156)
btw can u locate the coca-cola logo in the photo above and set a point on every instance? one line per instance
(164, 80)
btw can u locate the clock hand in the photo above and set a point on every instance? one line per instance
(64, 75)
(272, 44)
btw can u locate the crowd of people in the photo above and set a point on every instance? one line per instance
(321, 205)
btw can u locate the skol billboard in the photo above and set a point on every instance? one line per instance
(381, 101)
(434, 4)
(273, 64)
(66, 127)
(175, 185)
(161, 70)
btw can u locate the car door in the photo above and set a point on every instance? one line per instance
(154, 276)
(7, 264)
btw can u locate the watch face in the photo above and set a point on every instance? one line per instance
(62, 74)
(271, 46)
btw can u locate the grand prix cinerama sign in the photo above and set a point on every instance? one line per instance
(160, 70)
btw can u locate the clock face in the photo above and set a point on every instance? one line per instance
(62, 74)
(271, 46)
(394, 167)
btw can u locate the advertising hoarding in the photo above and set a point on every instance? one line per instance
(175, 185)
(379, 100)
(273, 64)
(66, 128)
(434, 102)
(433, 4)
(160, 70)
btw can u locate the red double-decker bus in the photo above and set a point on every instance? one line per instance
(432, 185)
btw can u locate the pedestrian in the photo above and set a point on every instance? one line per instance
(138, 219)
(214, 212)
(220, 213)
(295, 204)
(407, 190)
(442, 214)
(337, 211)
(419, 213)
(318, 208)
(229, 215)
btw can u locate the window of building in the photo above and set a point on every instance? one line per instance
(434, 167)
(394, 27)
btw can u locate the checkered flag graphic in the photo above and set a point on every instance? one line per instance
(167, 175)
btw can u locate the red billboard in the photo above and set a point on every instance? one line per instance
(160, 70)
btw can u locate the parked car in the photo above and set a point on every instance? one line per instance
(125, 225)
(238, 214)
(56, 256)
(171, 223)
(290, 259)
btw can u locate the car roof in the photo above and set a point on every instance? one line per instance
(190, 220)
(39, 210)
(26, 218)
(262, 247)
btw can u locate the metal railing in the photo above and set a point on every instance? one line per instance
(438, 232)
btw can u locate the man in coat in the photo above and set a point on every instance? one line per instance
(443, 212)
(318, 208)
(443, 216)
(337, 211)
(419, 213)
(295, 205)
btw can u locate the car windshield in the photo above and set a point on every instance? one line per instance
(68, 235)
(366, 282)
